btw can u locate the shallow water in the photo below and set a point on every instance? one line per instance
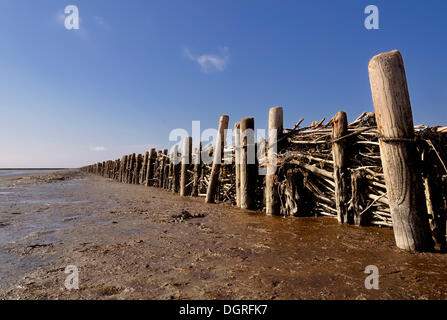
(33, 216)
(17, 173)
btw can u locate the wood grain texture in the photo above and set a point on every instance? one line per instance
(217, 160)
(340, 129)
(150, 167)
(272, 203)
(399, 159)
(248, 169)
(186, 165)
(237, 158)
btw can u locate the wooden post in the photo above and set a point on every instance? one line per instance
(197, 170)
(150, 167)
(186, 164)
(123, 163)
(144, 168)
(248, 166)
(129, 159)
(157, 169)
(164, 169)
(237, 159)
(170, 172)
(137, 168)
(272, 204)
(176, 170)
(161, 167)
(398, 152)
(340, 129)
(132, 167)
(359, 195)
(217, 161)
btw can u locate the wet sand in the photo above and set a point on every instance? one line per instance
(126, 245)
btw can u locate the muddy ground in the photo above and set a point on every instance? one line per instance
(126, 245)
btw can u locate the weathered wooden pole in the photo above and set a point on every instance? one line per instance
(217, 161)
(150, 167)
(128, 164)
(163, 169)
(237, 159)
(340, 129)
(157, 169)
(272, 203)
(359, 195)
(137, 168)
(176, 170)
(197, 170)
(170, 172)
(123, 168)
(186, 164)
(133, 161)
(144, 168)
(248, 166)
(128, 167)
(398, 152)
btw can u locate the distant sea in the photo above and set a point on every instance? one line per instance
(23, 172)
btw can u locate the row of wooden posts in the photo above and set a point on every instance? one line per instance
(398, 155)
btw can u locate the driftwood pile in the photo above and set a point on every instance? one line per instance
(306, 167)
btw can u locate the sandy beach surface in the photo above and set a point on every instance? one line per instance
(126, 245)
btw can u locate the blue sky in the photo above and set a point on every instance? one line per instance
(137, 69)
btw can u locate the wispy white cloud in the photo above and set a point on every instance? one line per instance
(98, 149)
(209, 62)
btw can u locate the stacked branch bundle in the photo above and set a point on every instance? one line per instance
(306, 167)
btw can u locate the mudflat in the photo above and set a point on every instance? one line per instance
(137, 242)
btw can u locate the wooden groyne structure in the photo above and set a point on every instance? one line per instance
(379, 169)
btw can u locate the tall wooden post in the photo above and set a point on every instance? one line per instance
(161, 168)
(150, 167)
(137, 168)
(217, 161)
(144, 168)
(340, 129)
(197, 170)
(272, 203)
(248, 160)
(128, 165)
(186, 164)
(122, 168)
(176, 170)
(237, 159)
(129, 168)
(164, 169)
(170, 172)
(398, 152)
(132, 167)
(158, 162)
